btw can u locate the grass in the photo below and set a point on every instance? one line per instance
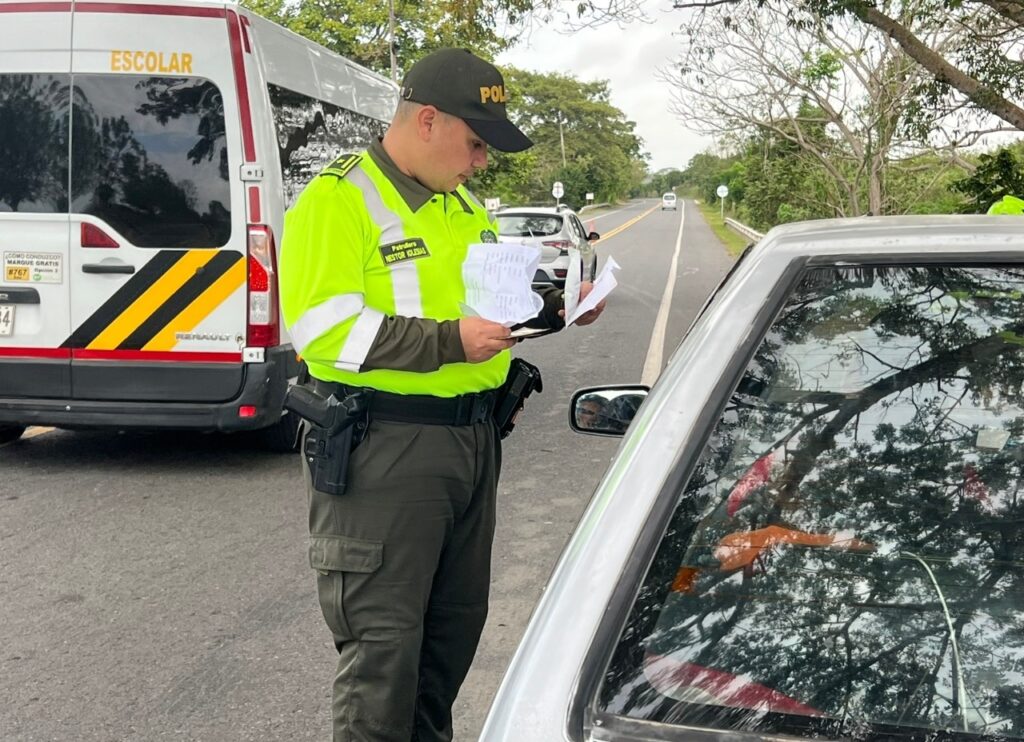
(734, 242)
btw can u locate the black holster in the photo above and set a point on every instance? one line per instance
(523, 378)
(335, 427)
(327, 456)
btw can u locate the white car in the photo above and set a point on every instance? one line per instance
(812, 529)
(668, 201)
(554, 230)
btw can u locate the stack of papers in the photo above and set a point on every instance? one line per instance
(499, 276)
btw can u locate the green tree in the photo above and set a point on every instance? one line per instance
(980, 68)
(601, 149)
(997, 175)
(361, 30)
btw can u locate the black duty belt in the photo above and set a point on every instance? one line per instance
(465, 409)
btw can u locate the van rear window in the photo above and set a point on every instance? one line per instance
(34, 143)
(148, 156)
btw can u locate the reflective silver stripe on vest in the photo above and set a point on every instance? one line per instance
(405, 280)
(320, 319)
(360, 338)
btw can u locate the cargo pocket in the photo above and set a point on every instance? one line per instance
(336, 560)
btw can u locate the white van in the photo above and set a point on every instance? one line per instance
(668, 201)
(147, 155)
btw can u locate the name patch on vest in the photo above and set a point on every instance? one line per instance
(397, 252)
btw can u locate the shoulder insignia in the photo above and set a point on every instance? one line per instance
(341, 166)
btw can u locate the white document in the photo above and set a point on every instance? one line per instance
(498, 277)
(573, 278)
(603, 285)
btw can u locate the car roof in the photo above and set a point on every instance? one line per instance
(545, 210)
(950, 235)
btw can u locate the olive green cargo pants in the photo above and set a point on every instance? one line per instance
(403, 570)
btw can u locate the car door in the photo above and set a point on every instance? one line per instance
(158, 264)
(34, 226)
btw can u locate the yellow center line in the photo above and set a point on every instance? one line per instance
(624, 226)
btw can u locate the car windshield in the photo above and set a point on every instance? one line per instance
(528, 225)
(847, 558)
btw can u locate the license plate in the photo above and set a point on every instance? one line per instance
(6, 319)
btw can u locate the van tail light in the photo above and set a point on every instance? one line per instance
(562, 245)
(93, 236)
(262, 329)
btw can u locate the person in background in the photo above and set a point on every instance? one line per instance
(590, 411)
(371, 292)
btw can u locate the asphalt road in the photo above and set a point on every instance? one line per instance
(156, 586)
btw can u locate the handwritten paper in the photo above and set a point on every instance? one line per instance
(498, 278)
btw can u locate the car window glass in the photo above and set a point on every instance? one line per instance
(580, 232)
(528, 225)
(311, 133)
(34, 142)
(847, 558)
(149, 157)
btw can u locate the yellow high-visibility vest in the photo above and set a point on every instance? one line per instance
(353, 253)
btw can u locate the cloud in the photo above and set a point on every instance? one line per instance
(628, 57)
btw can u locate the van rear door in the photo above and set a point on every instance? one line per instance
(35, 65)
(158, 237)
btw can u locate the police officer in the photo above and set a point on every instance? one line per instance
(371, 288)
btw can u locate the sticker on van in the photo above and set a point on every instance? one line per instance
(34, 267)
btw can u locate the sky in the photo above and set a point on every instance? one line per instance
(628, 57)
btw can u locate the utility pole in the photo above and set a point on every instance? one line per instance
(391, 40)
(561, 138)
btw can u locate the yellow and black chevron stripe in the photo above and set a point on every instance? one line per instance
(173, 292)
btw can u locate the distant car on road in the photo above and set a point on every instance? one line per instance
(813, 527)
(668, 201)
(554, 230)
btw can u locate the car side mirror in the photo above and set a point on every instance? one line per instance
(605, 410)
(593, 237)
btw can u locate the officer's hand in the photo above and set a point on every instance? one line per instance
(483, 339)
(587, 317)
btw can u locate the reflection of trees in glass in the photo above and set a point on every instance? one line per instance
(121, 158)
(312, 133)
(890, 402)
(529, 226)
(33, 142)
(170, 99)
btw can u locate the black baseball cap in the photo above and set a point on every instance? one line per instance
(459, 83)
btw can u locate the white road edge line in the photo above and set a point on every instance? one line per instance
(600, 216)
(656, 350)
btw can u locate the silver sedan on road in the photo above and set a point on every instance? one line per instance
(814, 526)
